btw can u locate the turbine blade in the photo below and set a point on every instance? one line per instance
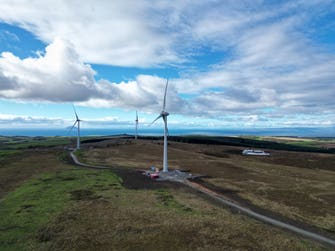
(166, 86)
(156, 119)
(136, 117)
(72, 127)
(74, 109)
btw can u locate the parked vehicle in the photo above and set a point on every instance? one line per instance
(154, 175)
(255, 152)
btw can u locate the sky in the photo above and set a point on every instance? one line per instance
(230, 63)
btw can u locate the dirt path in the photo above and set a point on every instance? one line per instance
(263, 218)
(77, 162)
(302, 232)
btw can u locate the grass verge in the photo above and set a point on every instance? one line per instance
(33, 204)
(4, 154)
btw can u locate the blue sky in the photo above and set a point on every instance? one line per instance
(230, 63)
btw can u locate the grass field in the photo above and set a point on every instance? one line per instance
(32, 205)
(324, 143)
(48, 204)
(298, 185)
(22, 142)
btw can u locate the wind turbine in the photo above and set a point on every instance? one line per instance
(77, 121)
(136, 126)
(164, 115)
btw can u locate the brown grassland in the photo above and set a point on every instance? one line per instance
(101, 211)
(299, 185)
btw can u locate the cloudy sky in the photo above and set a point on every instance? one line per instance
(230, 63)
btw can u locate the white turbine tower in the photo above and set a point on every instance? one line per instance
(77, 121)
(164, 115)
(136, 126)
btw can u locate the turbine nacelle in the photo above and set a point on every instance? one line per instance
(164, 114)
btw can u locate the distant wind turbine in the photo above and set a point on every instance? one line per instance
(164, 115)
(77, 121)
(136, 126)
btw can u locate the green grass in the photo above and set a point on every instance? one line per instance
(310, 143)
(253, 142)
(32, 205)
(79, 153)
(138, 219)
(300, 142)
(7, 153)
(166, 199)
(24, 142)
(70, 208)
(14, 143)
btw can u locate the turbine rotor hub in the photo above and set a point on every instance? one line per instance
(164, 113)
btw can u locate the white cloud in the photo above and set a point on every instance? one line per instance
(145, 93)
(269, 58)
(106, 32)
(6, 36)
(60, 76)
(13, 120)
(23, 121)
(274, 66)
(144, 33)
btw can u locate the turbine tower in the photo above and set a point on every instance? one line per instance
(77, 121)
(136, 126)
(164, 114)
